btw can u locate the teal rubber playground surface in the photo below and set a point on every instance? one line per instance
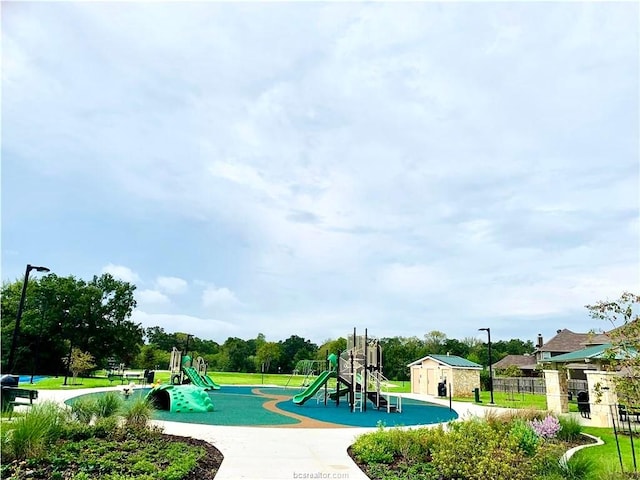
(245, 406)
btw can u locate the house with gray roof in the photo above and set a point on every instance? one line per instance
(566, 342)
(526, 363)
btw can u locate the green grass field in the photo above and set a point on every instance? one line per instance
(605, 457)
(223, 378)
(501, 399)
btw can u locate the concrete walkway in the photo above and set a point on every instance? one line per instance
(261, 453)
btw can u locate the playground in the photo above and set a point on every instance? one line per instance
(350, 391)
(273, 407)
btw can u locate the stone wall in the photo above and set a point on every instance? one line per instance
(464, 381)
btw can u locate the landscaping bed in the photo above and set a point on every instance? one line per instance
(512, 446)
(154, 457)
(103, 439)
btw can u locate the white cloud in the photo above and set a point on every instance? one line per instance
(386, 161)
(153, 297)
(121, 272)
(171, 285)
(214, 296)
(207, 328)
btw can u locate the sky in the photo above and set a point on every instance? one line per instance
(307, 168)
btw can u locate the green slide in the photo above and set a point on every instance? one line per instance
(209, 381)
(193, 375)
(314, 387)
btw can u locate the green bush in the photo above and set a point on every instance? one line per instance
(525, 437)
(31, 434)
(373, 447)
(83, 410)
(460, 450)
(105, 427)
(546, 460)
(138, 413)
(577, 468)
(571, 429)
(108, 405)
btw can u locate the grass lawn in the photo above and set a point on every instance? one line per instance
(508, 400)
(163, 376)
(605, 457)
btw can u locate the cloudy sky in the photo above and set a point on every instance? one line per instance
(306, 168)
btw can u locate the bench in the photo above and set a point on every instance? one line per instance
(10, 396)
(126, 377)
(625, 413)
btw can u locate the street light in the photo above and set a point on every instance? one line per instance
(488, 330)
(16, 328)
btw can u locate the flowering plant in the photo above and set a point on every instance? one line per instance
(547, 428)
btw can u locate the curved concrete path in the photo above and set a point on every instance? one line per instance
(262, 453)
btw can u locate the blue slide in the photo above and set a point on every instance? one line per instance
(314, 387)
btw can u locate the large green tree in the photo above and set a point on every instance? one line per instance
(65, 312)
(294, 349)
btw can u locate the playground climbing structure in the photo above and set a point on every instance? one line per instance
(358, 373)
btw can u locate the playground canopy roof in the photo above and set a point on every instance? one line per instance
(450, 360)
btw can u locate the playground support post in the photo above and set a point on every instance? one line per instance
(352, 388)
(364, 384)
(326, 384)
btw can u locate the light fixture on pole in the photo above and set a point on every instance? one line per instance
(488, 330)
(16, 328)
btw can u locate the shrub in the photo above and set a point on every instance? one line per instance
(547, 428)
(31, 434)
(373, 447)
(570, 429)
(577, 468)
(105, 427)
(525, 437)
(138, 413)
(458, 453)
(83, 410)
(108, 405)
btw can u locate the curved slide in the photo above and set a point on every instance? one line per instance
(198, 380)
(209, 381)
(313, 388)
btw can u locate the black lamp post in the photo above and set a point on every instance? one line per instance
(16, 328)
(488, 330)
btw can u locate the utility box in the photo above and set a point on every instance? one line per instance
(476, 395)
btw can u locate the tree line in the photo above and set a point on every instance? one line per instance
(92, 319)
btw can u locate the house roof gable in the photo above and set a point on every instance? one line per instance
(527, 362)
(567, 341)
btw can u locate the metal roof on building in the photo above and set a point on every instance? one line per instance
(450, 360)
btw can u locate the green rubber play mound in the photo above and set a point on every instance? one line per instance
(180, 398)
